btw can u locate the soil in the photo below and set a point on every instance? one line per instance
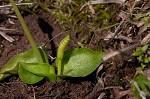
(116, 76)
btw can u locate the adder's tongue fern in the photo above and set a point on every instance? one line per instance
(60, 53)
(27, 32)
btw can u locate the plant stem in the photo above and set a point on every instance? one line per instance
(27, 32)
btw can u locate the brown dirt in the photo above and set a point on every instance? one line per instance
(46, 32)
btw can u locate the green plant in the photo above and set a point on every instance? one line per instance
(32, 66)
(140, 86)
(141, 53)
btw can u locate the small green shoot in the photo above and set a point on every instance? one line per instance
(141, 53)
(140, 86)
(140, 16)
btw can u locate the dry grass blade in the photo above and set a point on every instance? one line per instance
(114, 53)
(146, 39)
(6, 37)
(93, 2)
(100, 80)
(20, 4)
(5, 29)
(144, 28)
(107, 1)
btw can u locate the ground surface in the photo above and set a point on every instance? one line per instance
(115, 75)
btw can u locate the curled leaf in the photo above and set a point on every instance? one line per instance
(12, 66)
(28, 77)
(31, 73)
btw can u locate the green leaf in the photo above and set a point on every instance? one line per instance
(149, 58)
(44, 7)
(145, 60)
(141, 58)
(140, 85)
(135, 91)
(136, 53)
(144, 48)
(143, 65)
(11, 67)
(80, 62)
(28, 77)
(31, 73)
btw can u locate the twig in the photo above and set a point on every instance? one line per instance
(114, 53)
(5, 29)
(20, 4)
(93, 2)
(117, 30)
(106, 1)
(6, 36)
(146, 39)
